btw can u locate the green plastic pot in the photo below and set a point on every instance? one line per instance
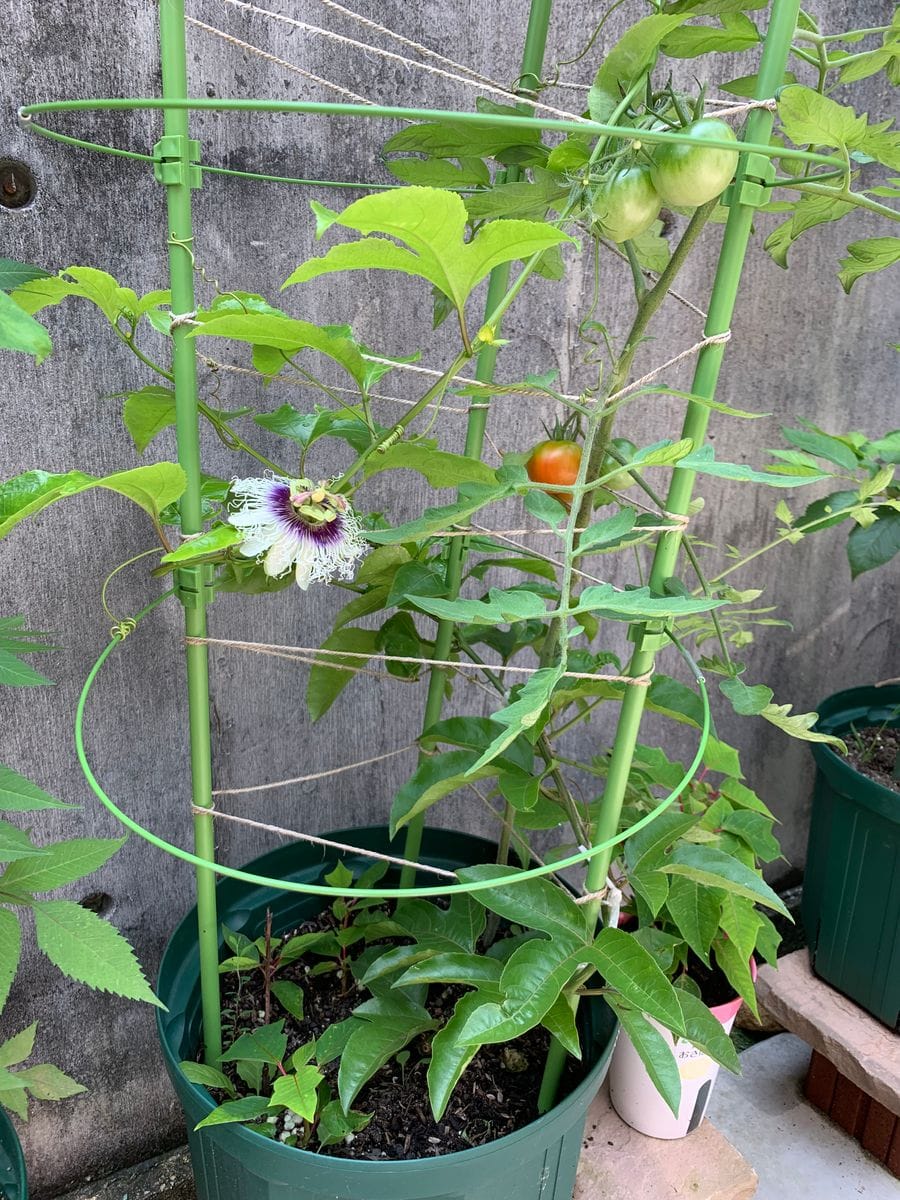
(538, 1162)
(851, 887)
(13, 1184)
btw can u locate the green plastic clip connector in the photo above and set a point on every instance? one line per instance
(753, 186)
(194, 586)
(175, 161)
(651, 635)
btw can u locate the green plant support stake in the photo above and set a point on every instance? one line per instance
(721, 308)
(498, 283)
(173, 158)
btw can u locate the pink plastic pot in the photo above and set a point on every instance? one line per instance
(638, 1102)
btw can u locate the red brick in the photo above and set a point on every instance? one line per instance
(892, 1162)
(878, 1130)
(849, 1106)
(818, 1087)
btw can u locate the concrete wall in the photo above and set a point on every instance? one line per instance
(801, 349)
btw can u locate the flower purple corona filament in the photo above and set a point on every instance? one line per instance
(296, 524)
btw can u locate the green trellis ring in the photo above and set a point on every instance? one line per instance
(573, 860)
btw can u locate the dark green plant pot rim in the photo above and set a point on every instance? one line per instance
(237, 902)
(13, 1181)
(859, 706)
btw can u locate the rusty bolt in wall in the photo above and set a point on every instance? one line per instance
(17, 184)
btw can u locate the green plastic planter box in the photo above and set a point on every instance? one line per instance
(851, 889)
(538, 1162)
(13, 1185)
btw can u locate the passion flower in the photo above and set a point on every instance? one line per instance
(295, 524)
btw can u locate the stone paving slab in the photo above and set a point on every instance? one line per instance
(798, 1152)
(169, 1176)
(862, 1049)
(618, 1163)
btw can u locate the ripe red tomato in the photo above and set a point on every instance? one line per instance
(688, 174)
(555, 462)
(627, 204)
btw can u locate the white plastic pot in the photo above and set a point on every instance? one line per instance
(638, 1102)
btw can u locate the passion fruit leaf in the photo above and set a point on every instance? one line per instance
(714, 868)
(248, 1108)
(284, 335)
(383, 1027)
(326, 682)
(147, 413)
(432, 225)
(152, 488)
(652, 1049)
(449, 1056)
(213, 541)
(435, 520)
(442, 470)
(19, 331)
(522, 714)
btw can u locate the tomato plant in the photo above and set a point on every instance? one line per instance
(624, 449)
(627, 204)
(690, 173)
(555, 461)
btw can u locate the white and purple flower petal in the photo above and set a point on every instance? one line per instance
(294, 524)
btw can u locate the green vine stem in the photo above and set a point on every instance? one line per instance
(843, 194)
(499, 297)
(722, 301)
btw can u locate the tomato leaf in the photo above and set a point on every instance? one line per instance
(746, 701)
(703, 460)
(13, 274)
(866, 257)
(632, 54)
(736, 33)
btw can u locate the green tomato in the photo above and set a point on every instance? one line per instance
(627, 204)
(623, 480)
(688, 174)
